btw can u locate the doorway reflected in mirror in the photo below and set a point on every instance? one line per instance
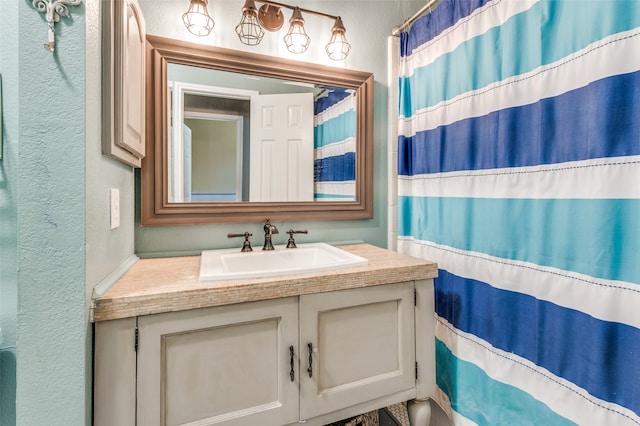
(247, 138)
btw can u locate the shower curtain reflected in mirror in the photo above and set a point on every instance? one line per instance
(335, 145)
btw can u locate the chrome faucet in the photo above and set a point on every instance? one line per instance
(269, 230)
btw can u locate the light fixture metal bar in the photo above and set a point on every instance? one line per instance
(313, 12)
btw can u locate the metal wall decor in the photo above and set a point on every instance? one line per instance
(53, 9)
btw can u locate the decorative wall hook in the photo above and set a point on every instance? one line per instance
(54, 9)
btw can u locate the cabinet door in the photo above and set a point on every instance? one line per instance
(124, 57)
(114, 373)
(362, 346)
(130, 79)
(228, 365)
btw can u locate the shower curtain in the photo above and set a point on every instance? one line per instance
(519, 173)
(335, 145)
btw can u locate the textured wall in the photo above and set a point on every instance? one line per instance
(50, 200)
(8, 215)
(106, 249)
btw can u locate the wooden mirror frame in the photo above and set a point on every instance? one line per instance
(155, 208)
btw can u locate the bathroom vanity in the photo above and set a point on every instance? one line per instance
(310, 348)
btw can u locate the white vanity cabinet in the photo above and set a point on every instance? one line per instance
(282, 352)
(275, 362)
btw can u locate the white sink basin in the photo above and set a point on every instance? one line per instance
(230, 264)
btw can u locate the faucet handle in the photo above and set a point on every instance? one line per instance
(246, 246)
(291, 243)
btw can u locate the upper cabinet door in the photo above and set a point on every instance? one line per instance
(124, 81)
(130, 79)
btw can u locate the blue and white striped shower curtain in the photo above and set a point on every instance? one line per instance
(335, 145)
(519, 173)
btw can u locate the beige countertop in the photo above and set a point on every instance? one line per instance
(159, 285)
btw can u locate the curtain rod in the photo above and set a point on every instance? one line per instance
(430, 4)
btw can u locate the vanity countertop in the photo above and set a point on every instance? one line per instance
(160, 285)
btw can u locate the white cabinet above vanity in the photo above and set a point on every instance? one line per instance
(123, 81)
(172, 350)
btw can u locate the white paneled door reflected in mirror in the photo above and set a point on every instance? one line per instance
(241, 137)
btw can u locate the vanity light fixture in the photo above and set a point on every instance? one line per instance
(269, 17)
(197, 19)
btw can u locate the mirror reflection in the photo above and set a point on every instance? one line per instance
(237, 138)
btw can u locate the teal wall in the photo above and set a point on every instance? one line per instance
(106, 249)
(8, 216)
(49, 178)
(55, 241)
(56, 247)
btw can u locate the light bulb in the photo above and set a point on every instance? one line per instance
(197, 19)
(249, 30)
(297, 39)
(338, 47)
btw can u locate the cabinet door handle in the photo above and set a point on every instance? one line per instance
(292, 373)
(310, 368)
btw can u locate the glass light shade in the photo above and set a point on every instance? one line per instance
(197, 19)
(338, 47)
(297, 39)
(249, 31)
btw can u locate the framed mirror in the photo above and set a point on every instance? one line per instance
(236, 137)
